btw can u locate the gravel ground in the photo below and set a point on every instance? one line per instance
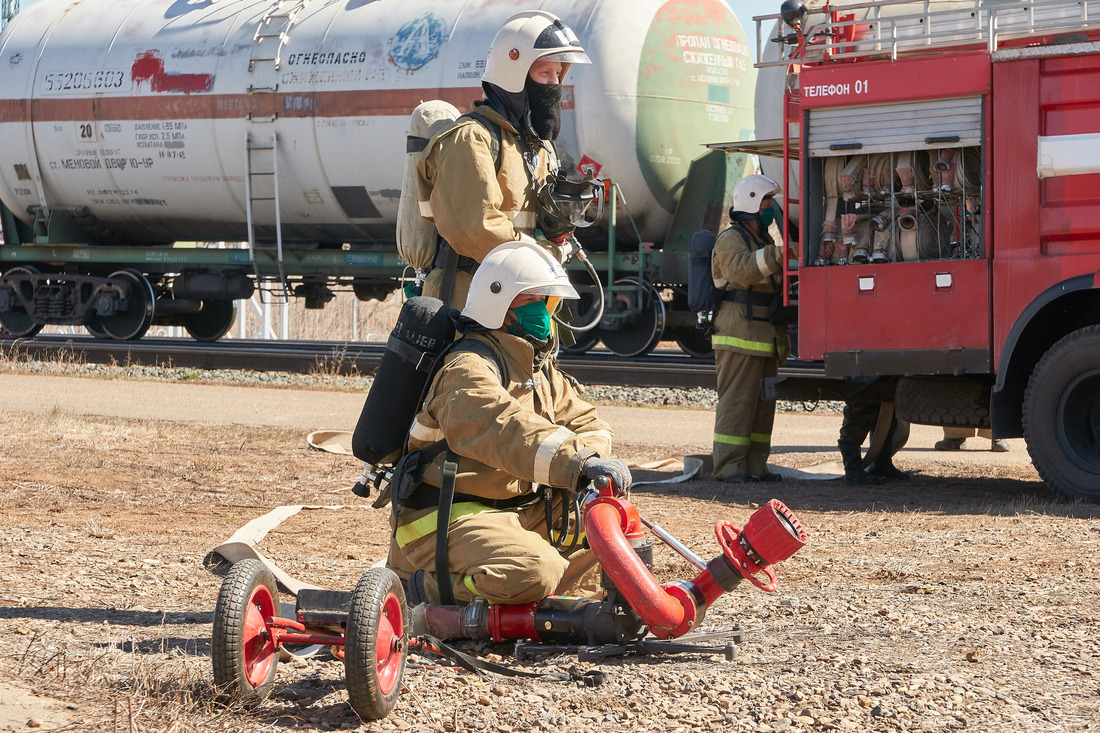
(964, 599)
(599, 394)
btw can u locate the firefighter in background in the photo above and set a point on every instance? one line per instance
(748, 347)
(517, 427)
(860, 419)
(955, 439)
(478, 200)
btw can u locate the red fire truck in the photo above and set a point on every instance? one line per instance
(942, 170)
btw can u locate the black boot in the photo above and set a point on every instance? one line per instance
(884, 467)
(414, 589)
(854, 475)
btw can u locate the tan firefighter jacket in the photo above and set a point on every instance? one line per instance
(742, 260)
(511, 432)
(475, 206)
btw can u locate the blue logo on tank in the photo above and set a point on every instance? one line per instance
(417, 42)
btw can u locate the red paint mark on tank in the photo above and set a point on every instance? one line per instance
(150, 67)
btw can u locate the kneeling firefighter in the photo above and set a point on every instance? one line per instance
(500, 445)
(480, 180)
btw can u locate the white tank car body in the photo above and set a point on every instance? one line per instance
(139, 109)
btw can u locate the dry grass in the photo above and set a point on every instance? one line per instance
(345, 318)
(13, 358)
(124, 690)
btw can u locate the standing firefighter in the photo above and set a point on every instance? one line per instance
(748, 347)
(508, 434)
(480, 179)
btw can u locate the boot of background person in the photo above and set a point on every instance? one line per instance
(884, 467)
(999, 445)
(854, 475)
(950, 444)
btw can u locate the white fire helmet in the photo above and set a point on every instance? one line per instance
(508, 270)
(751, 190)
(525, 38)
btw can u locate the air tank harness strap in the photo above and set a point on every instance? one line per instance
(751, 299)
(443, 523)
(571, 525)
(590, 678)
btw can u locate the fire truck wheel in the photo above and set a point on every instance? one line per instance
(243, 648)
(376, 643)
(1062, 416)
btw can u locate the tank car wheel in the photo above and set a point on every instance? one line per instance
(135, 320)
(693, 341)
(243, 648)
(638, 334)
(1062, 416)
(583, 311)
(212, 322)
(376, 643)
(17, 323)
(95, 330)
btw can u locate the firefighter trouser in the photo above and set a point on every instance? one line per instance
(743, 420)
(964, 433)
(860, 419)
(502, 555)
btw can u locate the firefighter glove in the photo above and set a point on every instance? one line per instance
(614, 468)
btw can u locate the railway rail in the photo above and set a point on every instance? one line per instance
(663, 368)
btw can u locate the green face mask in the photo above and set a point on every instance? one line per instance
(766, 217)
(533, 319)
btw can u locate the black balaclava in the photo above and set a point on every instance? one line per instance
(511, 105)
(544, 106)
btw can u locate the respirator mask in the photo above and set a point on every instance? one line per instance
(564, 203)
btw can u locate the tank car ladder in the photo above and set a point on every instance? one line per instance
(262, 138)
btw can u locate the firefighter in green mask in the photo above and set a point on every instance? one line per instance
(748, 346)
(524, 442)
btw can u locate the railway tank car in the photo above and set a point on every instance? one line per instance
(131, 127)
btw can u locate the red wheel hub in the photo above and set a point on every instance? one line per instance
(257, 637)
(390, 644)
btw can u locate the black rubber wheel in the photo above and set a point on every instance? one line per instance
(636, 334)
(243, 650)
(131, 323)
(583, 311)
(376, 644)
(1062, 416)
(693, 341)
(212, 322)
(953, 402)
(17, 323)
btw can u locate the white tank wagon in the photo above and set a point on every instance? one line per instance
(145, 122)
(140, 108)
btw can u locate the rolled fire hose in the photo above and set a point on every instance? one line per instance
(851, 176)
(829, 232)
(904, 169)
(907, 234)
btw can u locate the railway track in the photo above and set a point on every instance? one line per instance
(662, 368)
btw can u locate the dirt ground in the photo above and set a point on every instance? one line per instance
(963, 599)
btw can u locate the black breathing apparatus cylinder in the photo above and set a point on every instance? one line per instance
(424, 329)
